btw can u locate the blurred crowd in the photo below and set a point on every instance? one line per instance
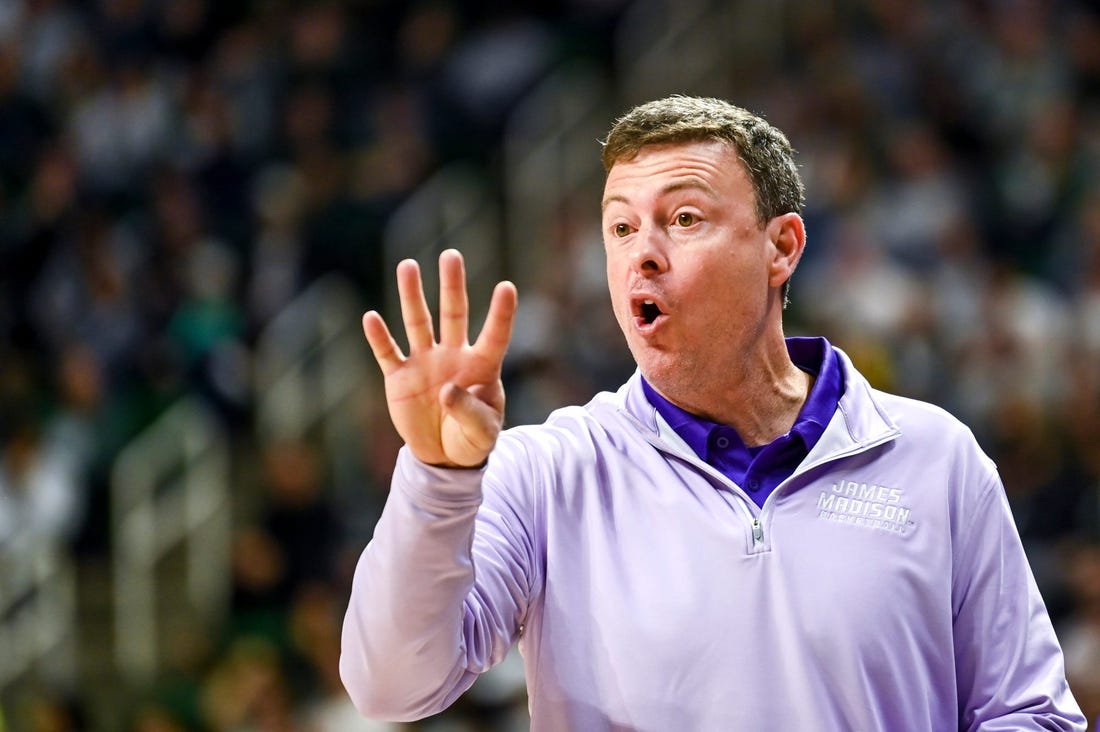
(174, 172)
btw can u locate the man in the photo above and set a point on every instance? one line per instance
(746, 536)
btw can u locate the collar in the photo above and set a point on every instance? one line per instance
(813, 355)
(860, 422)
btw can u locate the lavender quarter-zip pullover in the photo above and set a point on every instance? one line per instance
(882, 586)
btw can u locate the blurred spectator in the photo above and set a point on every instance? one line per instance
(298, 515)
(261, 592)
(920, 198)
(49, 711)
(41, 499)
(121, 126)
(248, 691)
(24, 124)
(154, 718)
(315, 633)
(1080, 637)
(484, 76)
(207, 328)
(84, 293)
(47, 30)
(277, 257)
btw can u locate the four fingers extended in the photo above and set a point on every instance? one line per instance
(497, 332)
(414, 307)
(454, 314)
(454, 306)
(385, 348)
(469, 414)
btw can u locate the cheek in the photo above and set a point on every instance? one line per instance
(728, 294)
(614, 286)
(620, 310)
(616, 277)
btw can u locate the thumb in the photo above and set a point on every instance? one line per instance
(478, 425)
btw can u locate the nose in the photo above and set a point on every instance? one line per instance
(649, 255)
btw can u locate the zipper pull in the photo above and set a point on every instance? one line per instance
(757, 530)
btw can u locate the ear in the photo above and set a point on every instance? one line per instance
(788, 237)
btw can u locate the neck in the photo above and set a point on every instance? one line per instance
(760, 396)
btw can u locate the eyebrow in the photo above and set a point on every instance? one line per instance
(690, 184)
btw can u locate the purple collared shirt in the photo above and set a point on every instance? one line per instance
(758, 470)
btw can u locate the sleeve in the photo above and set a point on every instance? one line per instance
(440, 592)
(1009, 669)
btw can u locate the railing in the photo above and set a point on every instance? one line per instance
(552, 170)
(311, 360)
(703, 47)
(672, 46)
(37, 613)
(171, 484)
(169, 489)
(454, 208)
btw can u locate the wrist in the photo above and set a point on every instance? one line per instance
(437, 485)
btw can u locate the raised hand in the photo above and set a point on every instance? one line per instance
(445, 398)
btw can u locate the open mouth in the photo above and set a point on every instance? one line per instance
(648, 311)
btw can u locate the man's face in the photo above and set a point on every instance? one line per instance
(687, 263)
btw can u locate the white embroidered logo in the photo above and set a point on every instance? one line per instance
(865, 504)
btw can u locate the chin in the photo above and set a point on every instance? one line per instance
(672, 373)
(662, 373)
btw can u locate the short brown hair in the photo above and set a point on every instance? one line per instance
(765, 151)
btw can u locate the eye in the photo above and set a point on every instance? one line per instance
(620, 230)
(685, 219)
